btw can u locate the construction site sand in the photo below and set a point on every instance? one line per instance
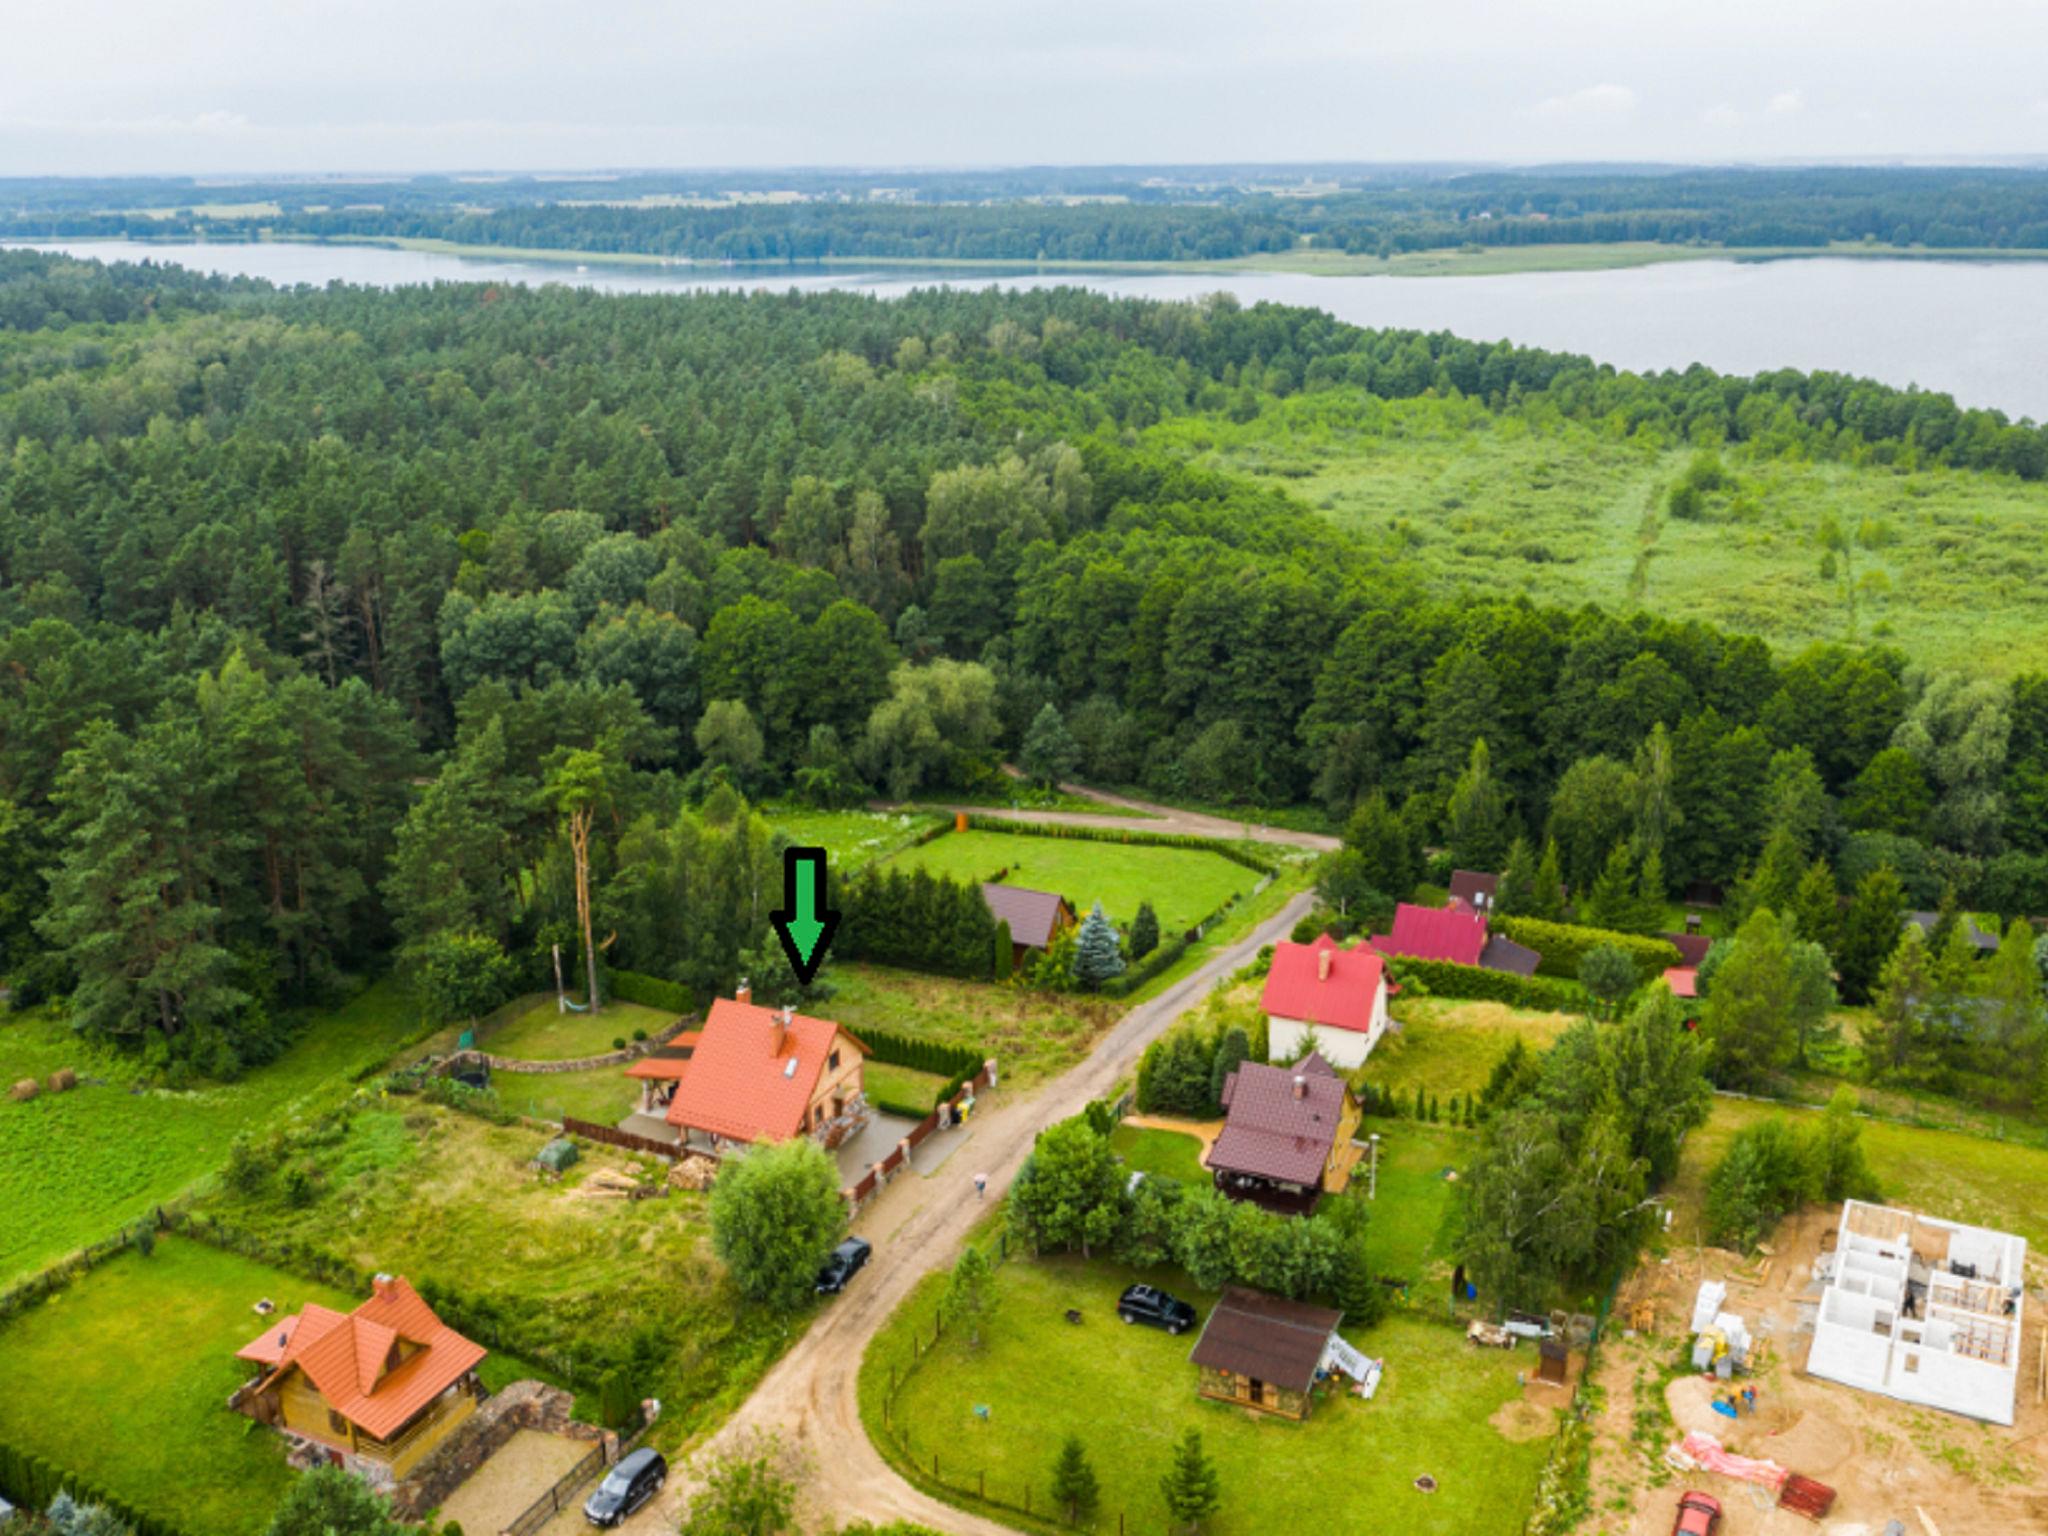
(1521, 1420)
(1886, 1460)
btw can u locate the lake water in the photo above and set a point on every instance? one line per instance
(1978, 330)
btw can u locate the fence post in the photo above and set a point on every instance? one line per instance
(935, 1468)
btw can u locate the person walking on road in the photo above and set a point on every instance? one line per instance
(981, 1186)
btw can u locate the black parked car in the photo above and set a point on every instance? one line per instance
(636, 1479)
(1147, 1304)
(844, 1264)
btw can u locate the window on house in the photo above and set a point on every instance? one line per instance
(832, 1062)
(337, 1424)
(1912, 1365)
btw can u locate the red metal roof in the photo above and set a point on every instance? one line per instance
(349, 1359)
(753, 1072)
(1297, 986)
(1273, 1132)
(1434, 933)
(1683, 980)
(668, 1062)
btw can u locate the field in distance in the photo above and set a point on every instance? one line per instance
(1948, 565)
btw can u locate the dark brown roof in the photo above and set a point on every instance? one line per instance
(1506, 955)
(1272, 1134)
(1253, 1334)
(1469, 886)
(1032, 915)
(1692, 947)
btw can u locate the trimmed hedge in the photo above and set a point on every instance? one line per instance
(649, 991)
(30, 1483)
(920, 1055)
(1235, 852)
(1563, 945)
(1445, 978)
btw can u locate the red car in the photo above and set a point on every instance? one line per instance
(1699, 1514)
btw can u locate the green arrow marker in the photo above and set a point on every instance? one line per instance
(804, 924)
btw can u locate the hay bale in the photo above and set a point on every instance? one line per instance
(24, 1090)
(63, 1080)
(557, 1155)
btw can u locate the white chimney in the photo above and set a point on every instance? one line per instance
(1323, 964)
(1300, 1086)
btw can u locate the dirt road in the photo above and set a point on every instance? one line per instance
(1160, 818)
(917, 1226)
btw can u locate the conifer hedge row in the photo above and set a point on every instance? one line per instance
(918, 920)
(1563, 945)
(1237, 853)
(1445, 978)
(31, 1482)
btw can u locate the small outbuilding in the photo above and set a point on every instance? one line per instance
(1036, 918)
(1264, 1352)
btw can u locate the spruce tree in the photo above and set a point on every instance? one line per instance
(1050, 755)
(1516, 894)
(1144, 931)
(1097, 956)
(1611, 904)
(1005, 952)
(1816, 913)
(1192, 1490)
(1547, 901)
(1073, 1482)
(1870, 932)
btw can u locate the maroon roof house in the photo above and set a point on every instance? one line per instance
(1263, 1351)
(1477, 891)
(1286, 1134)
(1434, 933)
(1036, 918)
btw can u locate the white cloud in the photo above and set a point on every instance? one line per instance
(1594, 104)
(1722, 115)
(1785, 103)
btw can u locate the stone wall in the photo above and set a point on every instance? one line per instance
(632, 1052)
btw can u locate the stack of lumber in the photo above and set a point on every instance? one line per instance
(693, 1173)
(1804, 1496)
(609, 1184)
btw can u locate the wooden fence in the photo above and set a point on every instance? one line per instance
(612, 1136)
(561, 1496)
(863, 1189)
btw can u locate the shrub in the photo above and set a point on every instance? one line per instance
(649, 991)
(1564, 945)
(1445, 978)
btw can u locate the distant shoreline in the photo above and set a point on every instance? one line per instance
(1491, 261)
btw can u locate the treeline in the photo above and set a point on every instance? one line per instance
(1022, 218)
(462, 621)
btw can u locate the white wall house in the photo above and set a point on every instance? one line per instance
(1923, 1310)
(1337, 995)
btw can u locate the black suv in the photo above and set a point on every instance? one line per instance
(1145, 1304)
(636, 1479)
(844, 1264)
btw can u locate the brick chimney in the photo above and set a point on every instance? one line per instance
(744, 993)
(1323, 964)
(381, 1284)
(1300, 1086)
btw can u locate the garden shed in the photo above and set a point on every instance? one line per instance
(1263, 1352)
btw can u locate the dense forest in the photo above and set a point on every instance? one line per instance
(342, 623)
(1182, 214)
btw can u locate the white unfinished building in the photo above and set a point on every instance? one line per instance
(1923, 1310)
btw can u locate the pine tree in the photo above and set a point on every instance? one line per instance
(1382, 838)
(1816, 911)
(1073, 1482)
(1050, 755)
(1097, 956)
(971, 1292)
(1191, 1487)
(1896, 1041)
(1611, 904)
(1547, 901)
(1476, 821)
(1144, 931)
(1517, 893)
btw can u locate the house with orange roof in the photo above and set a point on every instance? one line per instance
(378, 1389)
(761, 1074)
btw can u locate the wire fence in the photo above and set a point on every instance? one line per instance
(561, 1495)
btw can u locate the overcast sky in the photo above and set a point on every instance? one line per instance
(216, 86)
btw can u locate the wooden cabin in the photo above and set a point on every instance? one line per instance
(1263, 1352)
(768, 1074)
(379, 1388)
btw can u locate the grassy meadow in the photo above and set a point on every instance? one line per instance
(1128, 1393)
(431, 1194)
(545, 1033)
(1032, 1035)
(74, 1166)
(1162, 1154)
(849, 838)
(1184, 885)
(1445, 1046)
(1947, 564)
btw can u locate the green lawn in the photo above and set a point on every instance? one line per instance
(1032, 1035)
(1949, 565)
(545, 1033)
(887, 1084)
(1989, 1183)
(1167, 1154)
(849, 838)
(432, 1194)
(1446, 1047)
(1130, 1392)
(75, 1166)
(1414, 1216)
(602, 1094)
(131, 1368)
(1184, 885)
